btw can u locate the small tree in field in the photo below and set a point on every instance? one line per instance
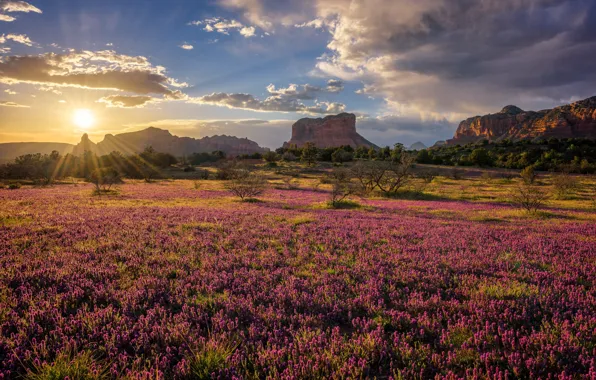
(528, 175)
(530, 198)
(341, 186)
(104, 178)
(247, 185)
(309, 154)
(564, 184)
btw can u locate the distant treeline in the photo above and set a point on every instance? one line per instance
(572, 155)
(45, 168)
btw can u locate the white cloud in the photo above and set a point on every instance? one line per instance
(10, 92)
(91, 70)
(126, 101)
(4, 103)
(19, 38)
(8, 6)
(224, 26)
(186, 46)
(248, 31)
(6, 18)
(288, 99)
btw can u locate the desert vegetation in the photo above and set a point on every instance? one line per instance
(376, 268)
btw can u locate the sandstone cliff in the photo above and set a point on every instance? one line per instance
(163, 141)
(331, 131)
(573, 120)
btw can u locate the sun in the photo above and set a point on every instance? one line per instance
(83, 118)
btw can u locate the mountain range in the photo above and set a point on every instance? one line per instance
(577, 119)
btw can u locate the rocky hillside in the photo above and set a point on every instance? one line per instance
(331, 131)
(573, 120)
(10, 151)
(163, 141)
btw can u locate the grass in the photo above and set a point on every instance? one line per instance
(69, 365)
(209, 359)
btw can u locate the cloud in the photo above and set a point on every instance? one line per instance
(6, 18)
(248, 31)
(450, 56)
(4, 103)
(224, 26)
(274, 103)
(126, 101)
(187, 47)
(10, 92)
(288, 99)
(19, 38)
(335, 85)
(91, 70)
(8, 6)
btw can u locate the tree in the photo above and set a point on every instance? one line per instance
(396, 174)
(104, 178)
(309, 154)
(342, 185)
(528, 175)
(247, 186)
(271, 156)
(531, 198)
(396, 153)
(480, 156)
(341, 156)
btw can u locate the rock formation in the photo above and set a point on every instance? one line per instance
(331, 131)
(573, 120)
(163, 141)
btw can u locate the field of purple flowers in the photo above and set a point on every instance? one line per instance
(166, 281)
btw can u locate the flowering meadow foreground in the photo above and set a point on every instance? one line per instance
(166, 281)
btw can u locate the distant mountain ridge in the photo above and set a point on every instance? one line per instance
(135, 142)
(9, 151)
(330, 131)
(163, 141)
(572, 120)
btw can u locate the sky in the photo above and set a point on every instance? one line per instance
(409, 70)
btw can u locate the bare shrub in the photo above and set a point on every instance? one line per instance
(456, 174)
(564, 184)
(246, 185)
(427, 175)
(387, 176)
(396, 174)
(290, 183)
(528, 197)
(289, 157)
(229, 170)
(342, 186)
(486, 177)
(104, 178)
(528, 175)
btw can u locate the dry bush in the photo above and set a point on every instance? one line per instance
(427, 175)
(229, 170)
(387, 176)
(486, 177)
(530, 198)
(247, 185)
(290, 183)
(564, 184)
(528, 175)
(103, 179)
(342, 185)
(456, 174)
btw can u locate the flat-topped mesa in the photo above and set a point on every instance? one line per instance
(330, 131)
(572, 120)
(163, 141)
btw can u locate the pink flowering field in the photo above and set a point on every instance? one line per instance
(166, 281)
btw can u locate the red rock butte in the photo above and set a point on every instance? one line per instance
(330, 131)
(572, 120)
